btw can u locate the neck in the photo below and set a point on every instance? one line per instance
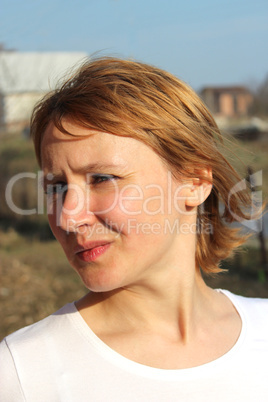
(171, 303)
(171, 295)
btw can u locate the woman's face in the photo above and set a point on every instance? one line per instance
(113, 206)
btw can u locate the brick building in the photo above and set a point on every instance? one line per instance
(232, 101)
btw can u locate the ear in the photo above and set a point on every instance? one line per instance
(200, 188)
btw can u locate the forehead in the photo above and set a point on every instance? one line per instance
(91, 146)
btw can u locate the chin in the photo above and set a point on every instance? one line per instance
(100, 280)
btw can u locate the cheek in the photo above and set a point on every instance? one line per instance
(142, 217)
(150, 200)
(102, 204)
(130, 200)
(120, 206)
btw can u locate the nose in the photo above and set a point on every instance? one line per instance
(73, 212)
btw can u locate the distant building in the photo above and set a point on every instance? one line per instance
(27, 76)
(233, 101)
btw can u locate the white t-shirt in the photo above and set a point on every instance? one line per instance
(61, 359)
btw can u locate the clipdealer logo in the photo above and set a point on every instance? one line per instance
(120, 197)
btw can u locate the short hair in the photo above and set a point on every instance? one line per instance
(129, 98)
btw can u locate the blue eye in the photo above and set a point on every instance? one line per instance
(101, 178)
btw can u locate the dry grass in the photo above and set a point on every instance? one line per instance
(35, 280)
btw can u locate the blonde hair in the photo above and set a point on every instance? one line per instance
(134, 99)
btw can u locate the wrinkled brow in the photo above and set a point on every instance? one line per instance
(97, 167)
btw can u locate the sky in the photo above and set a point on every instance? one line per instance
(207, 42)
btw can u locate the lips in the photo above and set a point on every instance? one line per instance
(90, 251)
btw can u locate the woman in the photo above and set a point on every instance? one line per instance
(134, 176)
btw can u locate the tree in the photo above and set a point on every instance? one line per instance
(260, 104)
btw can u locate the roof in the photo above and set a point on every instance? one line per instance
(220, 89)
(35, 71)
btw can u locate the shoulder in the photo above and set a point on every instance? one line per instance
(250, 303)
(28, 355)
(36, 332)
(253, 311)
(10, 386)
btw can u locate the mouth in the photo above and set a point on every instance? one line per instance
(91, 251)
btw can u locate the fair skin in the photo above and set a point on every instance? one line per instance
(147, 299)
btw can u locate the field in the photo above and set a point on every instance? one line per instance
(36, 279)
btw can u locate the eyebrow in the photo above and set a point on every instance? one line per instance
(90, 168)
(98, 166)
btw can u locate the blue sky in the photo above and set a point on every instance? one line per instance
(202, 42)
